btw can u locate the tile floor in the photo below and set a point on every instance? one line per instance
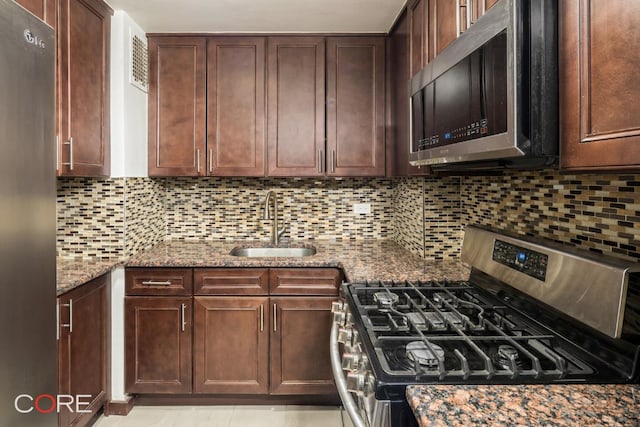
(229, 416)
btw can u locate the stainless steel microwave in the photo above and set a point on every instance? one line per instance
(490, 99)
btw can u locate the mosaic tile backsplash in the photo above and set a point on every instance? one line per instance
(108, 218)
(231, 208)
(90, 217)
(145, 223)
(596, 212)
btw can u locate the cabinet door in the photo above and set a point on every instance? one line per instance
(445, 24)
(300, 332)
(177, 106)
(295, 106)
(355, 106)
(231, 351)
(43, 9)
(158, 352)
(83, 83)
(418, 35)
(479, 8)
(400, 42)
(82, 348)
(600, 124)
(236, 106)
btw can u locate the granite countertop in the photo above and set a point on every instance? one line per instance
(360, 260)
(526, 405)
(74, 272)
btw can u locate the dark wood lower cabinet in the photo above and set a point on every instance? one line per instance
(211, 344)
(158, 337)
(83, 350)
(231, 350)
(300, 332)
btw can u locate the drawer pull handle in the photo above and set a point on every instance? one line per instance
(157, 283)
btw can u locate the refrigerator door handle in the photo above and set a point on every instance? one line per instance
(57, 321)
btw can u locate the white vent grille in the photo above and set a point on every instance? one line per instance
(139, 75)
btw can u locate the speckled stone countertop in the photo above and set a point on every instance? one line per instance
(361, 260)
(578, 405)
(72, 272)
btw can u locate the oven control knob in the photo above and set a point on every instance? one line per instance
(354, 362)
(360, 383)
(350, 361)
(338, 307)
(339, 317)
(345, 335)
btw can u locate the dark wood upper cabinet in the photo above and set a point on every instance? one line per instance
(83, 348)
(444, 24)
(418, 16)
(400, 43)
(296, 106)
(236, 106)
(158, 339)
(300, 362)
(479, 8)
(177, 106)
(599, 122)
(231, 347)
(355, 106)
(83, 87)
(43, 9)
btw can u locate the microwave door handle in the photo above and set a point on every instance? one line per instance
(341, 382)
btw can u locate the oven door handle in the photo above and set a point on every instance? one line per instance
(341, 382)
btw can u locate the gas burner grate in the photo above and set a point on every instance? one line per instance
(447, 330)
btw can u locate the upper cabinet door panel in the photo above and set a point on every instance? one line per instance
(355, 106)
(84, 87)
(43, 9)
(236, 106)
(444, 15)
(177, 106)
(296, 98)
(419, 35)
(600, 124)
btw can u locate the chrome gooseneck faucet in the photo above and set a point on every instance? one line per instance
(276, 232)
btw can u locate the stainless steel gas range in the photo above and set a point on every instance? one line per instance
(531, 312)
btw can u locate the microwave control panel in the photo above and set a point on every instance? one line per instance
(529, 262)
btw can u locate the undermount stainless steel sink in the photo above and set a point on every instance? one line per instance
(273, 252)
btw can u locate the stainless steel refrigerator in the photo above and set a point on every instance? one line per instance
(27, 218)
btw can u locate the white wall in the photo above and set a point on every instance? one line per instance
(128, 104)
(128, 159)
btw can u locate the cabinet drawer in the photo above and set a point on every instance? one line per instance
(159, 281)
(304, 281)
(231, 281)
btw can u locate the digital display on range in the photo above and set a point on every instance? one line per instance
(529, 262)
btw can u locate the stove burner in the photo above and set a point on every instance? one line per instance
(385, 300)
(507, 356)
(419, 351)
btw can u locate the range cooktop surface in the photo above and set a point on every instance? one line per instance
(455, 332)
